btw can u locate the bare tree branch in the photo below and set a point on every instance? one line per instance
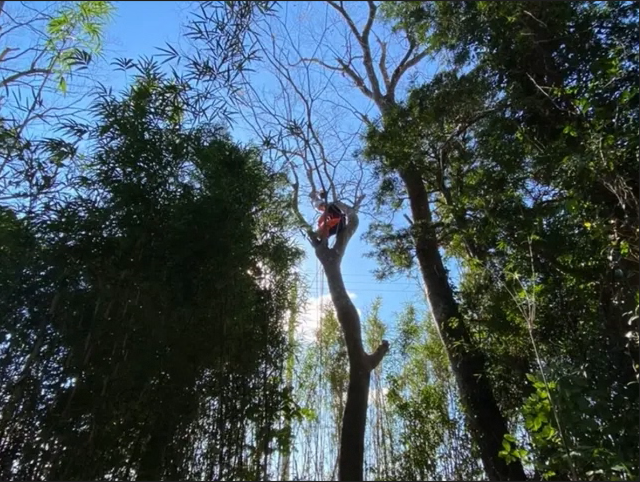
(382, 64)
(316, 161)
(363, 39)
(356, 79)
(319, 62)
(12, 78)
(366, 49)
(352, 26)
(295, 205)
(5, 52)
(405, 64)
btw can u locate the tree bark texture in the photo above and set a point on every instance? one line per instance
(467, 362)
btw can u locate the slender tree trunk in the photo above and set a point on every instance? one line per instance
(351, 461)
(467, 362)
(354, 420)
(351, 458)
(157, 454)
(152, 462)
(285, 460)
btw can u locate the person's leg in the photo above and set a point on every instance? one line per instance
(321, 234)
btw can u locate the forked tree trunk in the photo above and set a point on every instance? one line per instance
(467, 362)
(361, 364)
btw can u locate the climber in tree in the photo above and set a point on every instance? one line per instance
(332, 219)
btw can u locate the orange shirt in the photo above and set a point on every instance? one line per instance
(328, 221)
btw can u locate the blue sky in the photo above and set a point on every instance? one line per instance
(138, 28)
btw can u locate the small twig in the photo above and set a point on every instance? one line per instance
(529, 316)
(536, 19)
(541, 89)
(316, 61)
(5, 52)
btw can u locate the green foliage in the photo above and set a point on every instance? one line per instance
(320, 381)
(144, 306)
(147, 305)
(528, 145)
(334, 351)
(83, 22)
(394, 249)
(556, 450)
(222, 52)
(61, 41)
(422, 398)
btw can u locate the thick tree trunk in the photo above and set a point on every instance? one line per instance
(351, 458)
(468, 363)
(354, 421)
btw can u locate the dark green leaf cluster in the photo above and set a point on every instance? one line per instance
(528, 145)
(143, 317)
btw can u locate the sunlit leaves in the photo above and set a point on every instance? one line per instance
(75, 35)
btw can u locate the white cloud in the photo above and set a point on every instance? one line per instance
(309, 318)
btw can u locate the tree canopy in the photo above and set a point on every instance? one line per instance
(152, 280)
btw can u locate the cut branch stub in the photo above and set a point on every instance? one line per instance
(376, 357)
